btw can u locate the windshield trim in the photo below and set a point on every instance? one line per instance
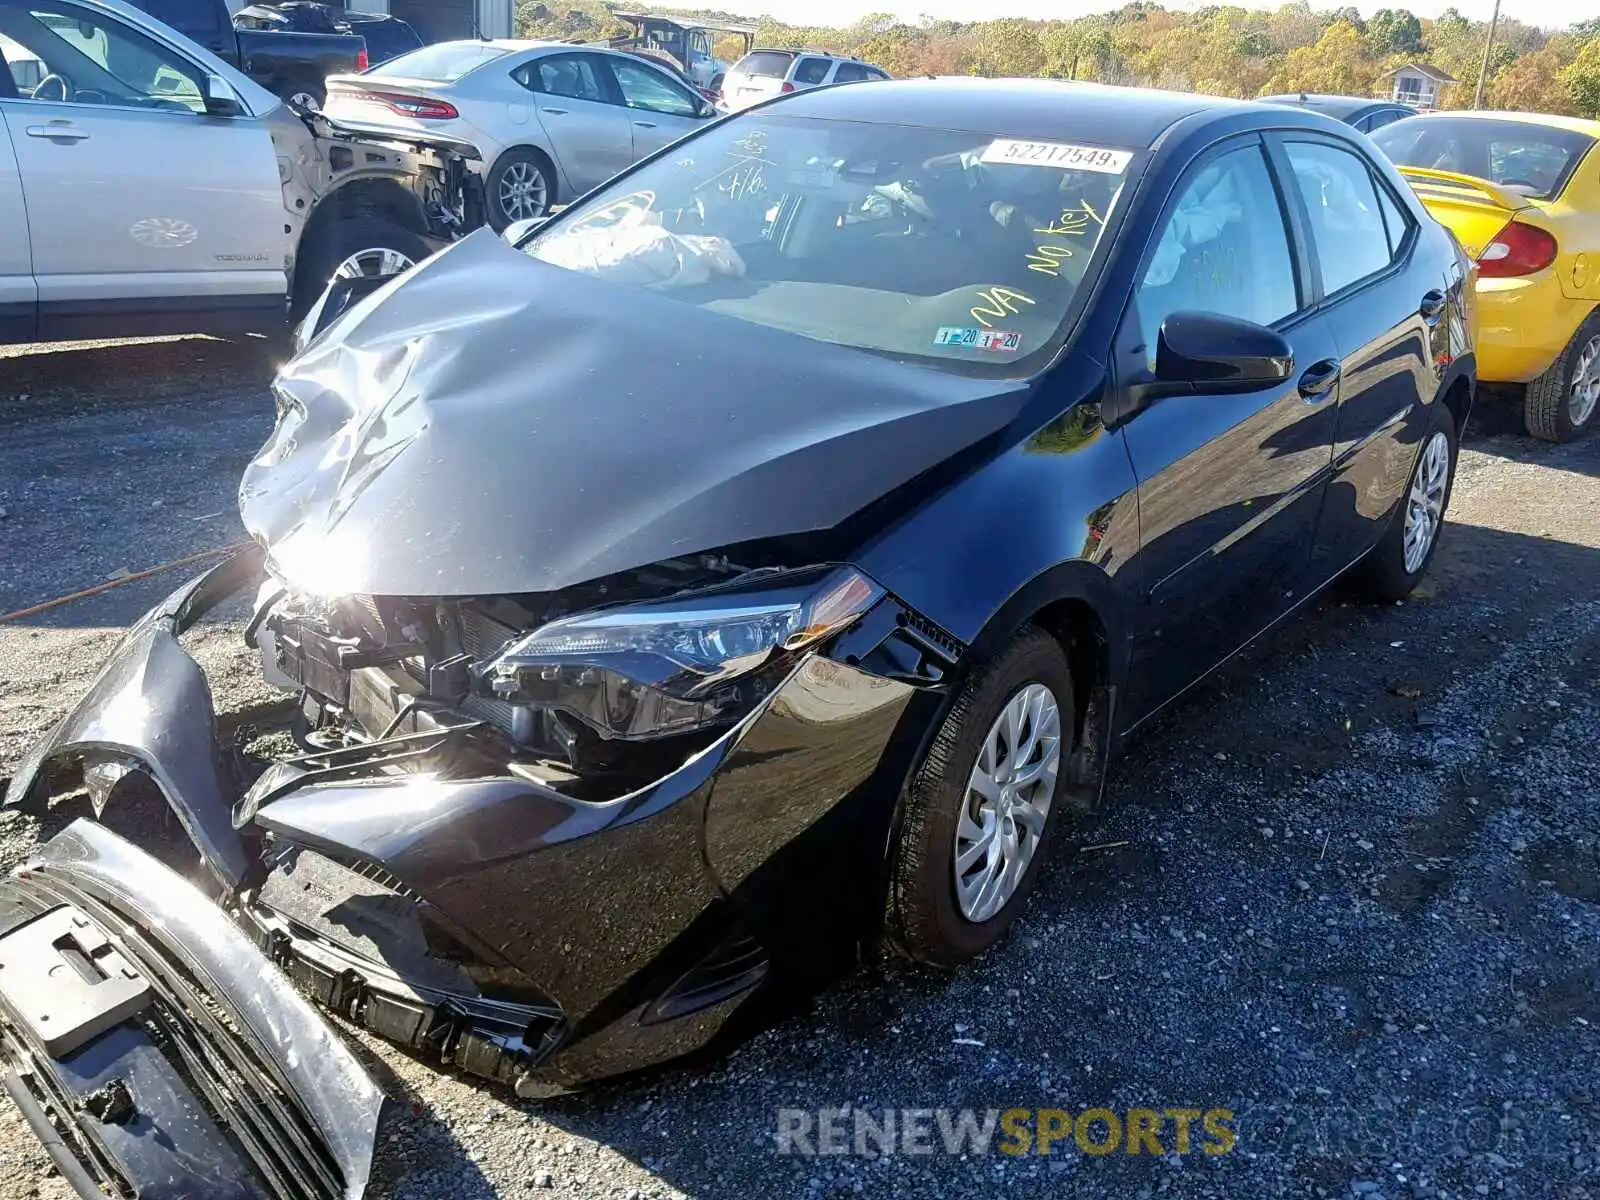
(1027, 366)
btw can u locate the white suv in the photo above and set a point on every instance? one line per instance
(764, 73)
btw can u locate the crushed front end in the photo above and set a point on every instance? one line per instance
(546, 838)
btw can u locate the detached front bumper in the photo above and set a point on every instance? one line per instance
(500, 925)
(150, 1049)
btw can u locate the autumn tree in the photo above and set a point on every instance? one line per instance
(1533, 84)
(1337, 63)
(1581, 78)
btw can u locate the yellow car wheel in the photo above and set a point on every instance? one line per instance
(1562, 403)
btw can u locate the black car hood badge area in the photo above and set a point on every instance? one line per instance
(495, 424)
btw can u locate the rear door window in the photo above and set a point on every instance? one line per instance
(854, 73)
(765, 64)
(811, 70)
(575, 76)
(1342, 202)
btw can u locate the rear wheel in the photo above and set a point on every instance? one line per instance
(1397, 564)
(521, 187)
(1562, 404)
(308, 92)
(977, 815)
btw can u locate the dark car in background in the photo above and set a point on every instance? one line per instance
(386, 37)
(1359, 112)
(626, 696)
(292, 65)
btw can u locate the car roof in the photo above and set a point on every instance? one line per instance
(1340, 107)
(1132, 118)
(1574, 124)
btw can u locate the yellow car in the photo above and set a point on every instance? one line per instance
(1521, 192)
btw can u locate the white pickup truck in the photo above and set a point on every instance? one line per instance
(148, 187)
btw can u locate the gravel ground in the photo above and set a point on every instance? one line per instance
(1348, 891)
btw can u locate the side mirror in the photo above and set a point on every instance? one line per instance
(1220, 353)
(520, 231)
(221, 99)
(705, 109)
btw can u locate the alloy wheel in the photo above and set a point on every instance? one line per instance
(305, 100)
(1425, 504)
(1007, 802)
(1584, 392)
(523, 195)
(377, 261)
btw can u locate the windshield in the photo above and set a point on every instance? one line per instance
(960, 248)
(1535, 160)
(443, 63)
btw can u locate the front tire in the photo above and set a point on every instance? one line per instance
(350, 246)
(1397, 563)
(521, 186)
(978, 813)
(1563, 403)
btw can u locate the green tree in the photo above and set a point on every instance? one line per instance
(1581, 78)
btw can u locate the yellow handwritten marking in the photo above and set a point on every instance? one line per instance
(997, 303)
(1047, 260)
(1089, 208)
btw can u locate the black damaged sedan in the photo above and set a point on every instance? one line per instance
(761, 558)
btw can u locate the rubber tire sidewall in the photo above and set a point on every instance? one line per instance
(337, 241)
(1386, 577)
(923, 919)
(496, 215)
(1544, 409)
(315, 87)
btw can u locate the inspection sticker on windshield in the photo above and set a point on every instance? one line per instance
(1057, 154)
(996, 341)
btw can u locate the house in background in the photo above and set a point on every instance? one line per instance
(1417, 84)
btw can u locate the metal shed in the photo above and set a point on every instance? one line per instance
(444, 20)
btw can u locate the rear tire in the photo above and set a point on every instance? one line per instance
(1394, 567)
(521, 186)
(937, 910)
(363, 241)
(307, 90)
(1563, 403)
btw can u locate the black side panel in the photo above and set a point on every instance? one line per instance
(75, 320)
(19, 322)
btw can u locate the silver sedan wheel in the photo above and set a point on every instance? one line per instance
(1425, 504)
(1584, 393)
(378, 261)
(523, 194)
(1007, 802)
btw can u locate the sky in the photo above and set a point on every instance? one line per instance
(1547, 13)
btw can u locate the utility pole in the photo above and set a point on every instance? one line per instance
(1488, 45)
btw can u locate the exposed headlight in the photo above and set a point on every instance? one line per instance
(646, 670)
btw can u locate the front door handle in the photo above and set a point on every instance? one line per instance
(58, 131)
(1432, 306)
(645, 124)
(1318, 380)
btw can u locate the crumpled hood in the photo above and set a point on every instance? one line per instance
(491, 423)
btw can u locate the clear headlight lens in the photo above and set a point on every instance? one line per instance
(646, 670)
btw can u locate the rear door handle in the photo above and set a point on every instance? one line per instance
(553, 112)
(58, 131)
(645, 124)
(1319, 379)
(1432, 306)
